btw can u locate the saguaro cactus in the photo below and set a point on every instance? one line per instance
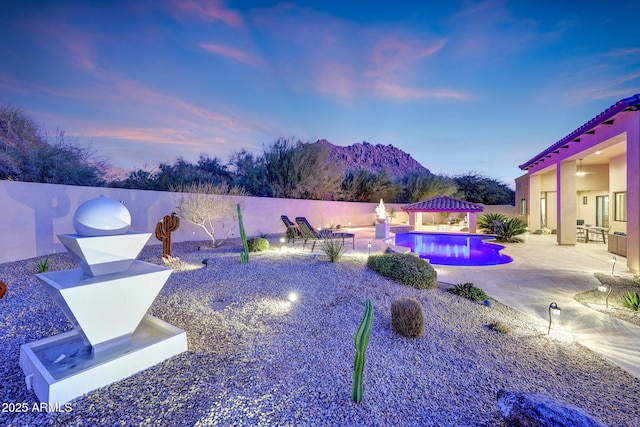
(164, 228)
(244, 256)
(361, 341)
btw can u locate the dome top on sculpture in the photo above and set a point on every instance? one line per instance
(101, 216)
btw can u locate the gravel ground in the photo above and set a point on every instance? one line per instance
(620, 286)
(256, 359)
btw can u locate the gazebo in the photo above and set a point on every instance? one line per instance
(443, 204)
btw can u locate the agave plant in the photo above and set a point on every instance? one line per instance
(509, 230)
(632, 300)
(487, 222)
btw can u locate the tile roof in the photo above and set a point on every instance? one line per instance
(443, 204)
(628, 104)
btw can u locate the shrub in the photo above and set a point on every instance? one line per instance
(407, 317)
(468, 290)
(632, 300)
(334, 248)
(499, 326)
(43, 265)
(507, 231)
(487, 222)
(257, 244)
(404, 268)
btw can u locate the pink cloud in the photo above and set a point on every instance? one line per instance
(236, 54)
(69, 42)
(347, 61)
(208, 10)
(405, 93)
(394, 53)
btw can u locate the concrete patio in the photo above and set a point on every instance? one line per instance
(544, 272)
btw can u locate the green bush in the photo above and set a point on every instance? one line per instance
(468, 290)
(632, 300)
(507, 231)
(257, 244)
(404, 268)
(487, 222)
(407, 317)
(334, 248)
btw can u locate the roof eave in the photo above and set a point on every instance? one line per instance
(609, 113)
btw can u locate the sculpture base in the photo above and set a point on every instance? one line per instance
(61, 368)
(382, 230)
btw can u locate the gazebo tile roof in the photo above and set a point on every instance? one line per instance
(443, 204)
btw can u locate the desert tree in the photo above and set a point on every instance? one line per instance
(363, 185)
(477, 188)
(248, 171)
(316, 176)
(212, 207)
(423, 185)
(25, 154)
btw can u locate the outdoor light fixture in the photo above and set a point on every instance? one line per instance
(369, 247)
(612, 261)
(555, 311)
(293, 297)
(603, 288)
(580, 171)
(282, 240)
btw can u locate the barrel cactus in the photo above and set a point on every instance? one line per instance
(407, 317)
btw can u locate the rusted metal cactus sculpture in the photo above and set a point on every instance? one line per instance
(164, 228)
(3, 289)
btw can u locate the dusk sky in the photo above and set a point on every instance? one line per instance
(460, 85)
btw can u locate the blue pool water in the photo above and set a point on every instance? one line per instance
(454, 249)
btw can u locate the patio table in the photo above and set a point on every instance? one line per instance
(587, 229)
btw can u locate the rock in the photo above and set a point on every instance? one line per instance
(522, 409)
(3, 289)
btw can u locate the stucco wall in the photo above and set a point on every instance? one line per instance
(35, 213)
(617, 183)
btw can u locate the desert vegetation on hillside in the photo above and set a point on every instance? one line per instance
(287, 168)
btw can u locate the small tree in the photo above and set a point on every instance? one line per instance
(210, 207)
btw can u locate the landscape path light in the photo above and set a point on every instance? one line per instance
(369, 247)
(292, 297)
(281, 243)
(603, 288)
(554, 310)
(612, 261)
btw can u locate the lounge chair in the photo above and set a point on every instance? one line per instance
(310, 233)
(293, 232)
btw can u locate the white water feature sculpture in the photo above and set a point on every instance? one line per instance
(106, 301)
(382, 221)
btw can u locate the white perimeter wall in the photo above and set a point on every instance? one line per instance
(33, 214)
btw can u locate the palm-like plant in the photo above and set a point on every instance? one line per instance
(487, 222)
(508, 230)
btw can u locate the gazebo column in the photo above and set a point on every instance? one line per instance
(472, 222)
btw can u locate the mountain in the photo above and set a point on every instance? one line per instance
(374, 158)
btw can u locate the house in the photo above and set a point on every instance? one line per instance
(590, 176)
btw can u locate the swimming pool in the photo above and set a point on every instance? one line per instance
(454, 249)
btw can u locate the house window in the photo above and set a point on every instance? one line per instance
(620, 206)
(523, 206)
(585, 200)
